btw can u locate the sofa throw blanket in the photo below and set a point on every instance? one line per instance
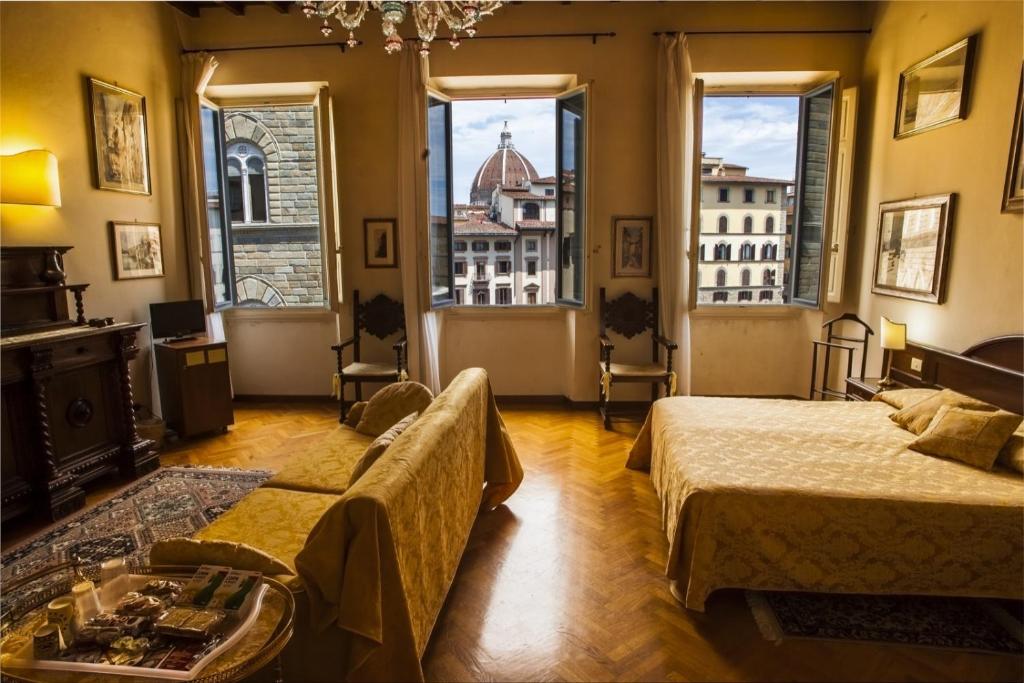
(379, 563)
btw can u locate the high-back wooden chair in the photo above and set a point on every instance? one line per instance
(838, 330)
(629, 315)
(382, 317)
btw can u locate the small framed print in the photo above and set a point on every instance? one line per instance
(1013, 190)
(381, 244)
(912, 253)
(934, 92)
(138, 250)
(631, 255)
(120, 137)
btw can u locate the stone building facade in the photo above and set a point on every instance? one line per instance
(273, 204)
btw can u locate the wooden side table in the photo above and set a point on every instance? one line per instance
(195, 385)
(865, 388)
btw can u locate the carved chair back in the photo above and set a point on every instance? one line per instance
(381, 317)
(629, 315)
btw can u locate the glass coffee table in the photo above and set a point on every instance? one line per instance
(259, 647)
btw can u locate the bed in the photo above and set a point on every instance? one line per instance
(825, 496)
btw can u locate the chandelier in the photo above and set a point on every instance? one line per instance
(460, 16)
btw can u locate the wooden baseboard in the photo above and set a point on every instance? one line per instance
(284, 398)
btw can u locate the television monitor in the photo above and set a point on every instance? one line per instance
(178, 319)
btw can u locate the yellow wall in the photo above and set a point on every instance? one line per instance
(985, 288)
(46, 52)
(557, 353)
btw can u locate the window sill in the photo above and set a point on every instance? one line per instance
(279, 314)
(732, 311)
(469, 312)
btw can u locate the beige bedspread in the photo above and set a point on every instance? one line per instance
(823, 496)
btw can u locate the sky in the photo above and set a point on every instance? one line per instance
(476, 130)
(757, 132)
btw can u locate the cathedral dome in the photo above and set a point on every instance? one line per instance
(505, 167)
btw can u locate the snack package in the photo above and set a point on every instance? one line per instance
(237, 589)
(189, 622)
(165, 589)
(138, 605)
(201, 587)
(185, 655)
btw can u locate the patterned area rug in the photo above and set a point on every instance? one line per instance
(173, 501)
(947, 623)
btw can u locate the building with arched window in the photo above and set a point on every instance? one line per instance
(743, 213)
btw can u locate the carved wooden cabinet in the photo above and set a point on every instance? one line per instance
(66, 405)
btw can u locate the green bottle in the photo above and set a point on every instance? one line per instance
(203, 596)
(236, 599)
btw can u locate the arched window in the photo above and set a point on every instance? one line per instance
(745, 277)
(769, 252)
(765, 295)
(769, 224)
(480, 297)
(720, 278)
(722, 251)
(768, 277)
(748, 224)
(745, 296)
(531, 211)
(723, 224)
(747, 252)
(247, 183)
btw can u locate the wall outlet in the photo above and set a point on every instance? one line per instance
(915, 364)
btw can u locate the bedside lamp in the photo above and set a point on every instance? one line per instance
(893, 338)
(29, 178)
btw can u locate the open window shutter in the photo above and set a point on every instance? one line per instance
(331, 230)
(440, 213)
(813, 189)
(571, 195)
(694, 236)
(844, 182)
(216, 250)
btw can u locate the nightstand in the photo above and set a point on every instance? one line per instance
(865, 388)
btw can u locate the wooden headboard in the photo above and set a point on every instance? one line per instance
(992, 370)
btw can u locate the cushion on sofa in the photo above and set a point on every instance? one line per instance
(379, 445)
(325, 465)
(391, 404)
(355, 413)
(274, 521)
(227, 553)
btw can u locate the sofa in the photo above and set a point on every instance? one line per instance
(370, 565)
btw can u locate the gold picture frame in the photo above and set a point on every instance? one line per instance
(631, 246)
(120, 138)
(137, 250)
(912, 248)
(935, 91)
(1013, 188)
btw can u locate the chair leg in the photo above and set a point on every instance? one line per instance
(359, 391)
(603, 406)
(668, 388)
(341, 399)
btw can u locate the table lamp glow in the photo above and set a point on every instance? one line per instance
(893, 338)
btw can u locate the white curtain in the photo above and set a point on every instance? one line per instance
(423, 326)
(196, 71)
(675, 135)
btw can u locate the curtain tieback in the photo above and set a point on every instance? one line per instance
(672, 377)
(403, 376)
(335, 385)
(606, 385)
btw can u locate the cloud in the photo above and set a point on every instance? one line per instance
(757, 132)
(476, 131)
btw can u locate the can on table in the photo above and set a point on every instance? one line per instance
(61, 613)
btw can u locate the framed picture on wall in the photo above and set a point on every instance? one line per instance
(138, 250)
(120, 137)
(1013, 190)
(934, 92)
(631, 253)
(381, 242)
(912, 251)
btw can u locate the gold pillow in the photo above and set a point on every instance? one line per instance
(391, 404)
(916, 417)
(377, 448)
(1012, 455)
(354, 414)
(901, 398)
(973, 437)
(191, 552)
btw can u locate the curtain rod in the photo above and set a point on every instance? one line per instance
(823, 31)
(343, 46)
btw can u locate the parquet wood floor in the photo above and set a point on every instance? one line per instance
(566, 581)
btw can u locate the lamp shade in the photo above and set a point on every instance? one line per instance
(894, 335)
(29, 178)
